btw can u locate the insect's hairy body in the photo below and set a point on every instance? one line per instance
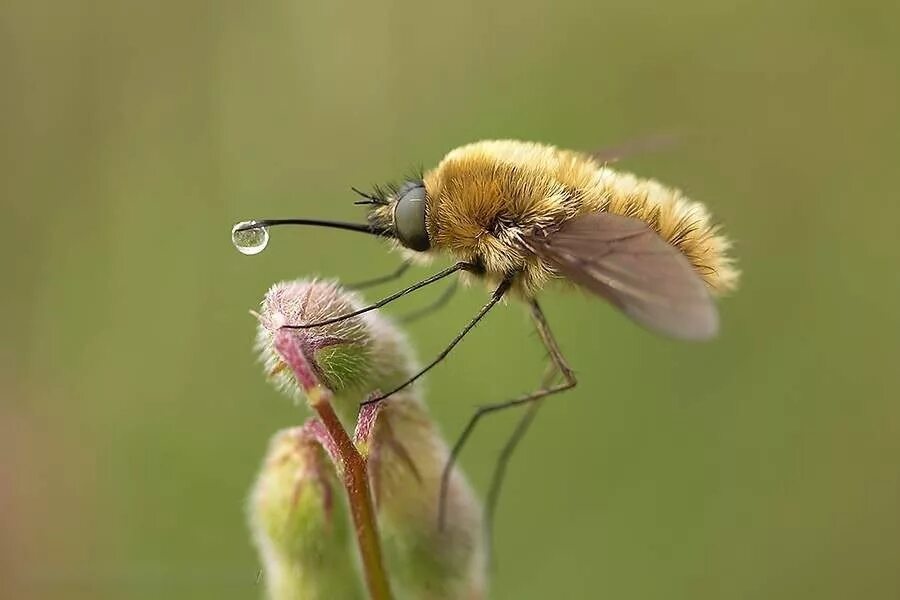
(520, 215)
(485, 200)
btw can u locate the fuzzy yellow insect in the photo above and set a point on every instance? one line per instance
(522, 215)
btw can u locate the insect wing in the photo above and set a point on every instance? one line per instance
(624, 261)
(635, 147)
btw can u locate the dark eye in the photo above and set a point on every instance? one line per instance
(409, 216)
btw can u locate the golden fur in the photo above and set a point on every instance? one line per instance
(484, 199)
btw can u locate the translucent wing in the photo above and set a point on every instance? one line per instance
(624, 261)
(635, 147)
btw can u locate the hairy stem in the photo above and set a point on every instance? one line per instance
(353, 467)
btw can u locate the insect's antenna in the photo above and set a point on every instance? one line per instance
(362, 228)
(369, 198)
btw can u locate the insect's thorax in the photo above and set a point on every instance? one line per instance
(486, 199)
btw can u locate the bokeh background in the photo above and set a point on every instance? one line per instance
(133, 414)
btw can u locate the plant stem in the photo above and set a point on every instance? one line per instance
(356, 482)
(353, 468)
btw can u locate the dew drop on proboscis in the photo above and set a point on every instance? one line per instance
(249, 241)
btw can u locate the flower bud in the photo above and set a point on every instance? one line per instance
(299, 521)
(406, 453)
(351, 357)
(407, 458)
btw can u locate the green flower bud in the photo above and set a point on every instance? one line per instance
(426, 561)
(351, 357)
(405, 451)
(299, 521)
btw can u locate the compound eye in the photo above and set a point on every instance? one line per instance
(409, 217)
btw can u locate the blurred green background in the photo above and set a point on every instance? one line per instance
(133, 413)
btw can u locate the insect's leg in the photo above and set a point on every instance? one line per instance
(443, 299)
(396, 274)
(569, 381)
(460, 266)
(499, 474)
(495, 298)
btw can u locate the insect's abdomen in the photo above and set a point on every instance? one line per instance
(485, 198)
(684, 223)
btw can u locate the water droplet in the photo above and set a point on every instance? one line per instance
(249, 241)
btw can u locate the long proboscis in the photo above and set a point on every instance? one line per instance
(362, 228)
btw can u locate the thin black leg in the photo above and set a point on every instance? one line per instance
(442, 300)
(495, 298)
(460, 266)
(569, 381)
(396, 274)
(499, 474)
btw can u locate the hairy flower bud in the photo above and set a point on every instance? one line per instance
(299, 521)
(405, 451)
(351, 357)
